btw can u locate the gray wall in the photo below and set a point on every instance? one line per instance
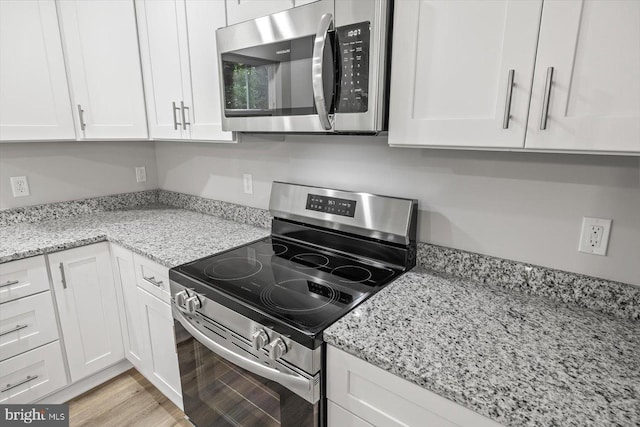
(520, 206)
(60, 171)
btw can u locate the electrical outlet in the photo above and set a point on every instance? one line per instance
(594, 238)
(20, 186)
(141, 174)
(247, 180)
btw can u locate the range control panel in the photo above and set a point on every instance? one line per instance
(332, 205)
(353, 44)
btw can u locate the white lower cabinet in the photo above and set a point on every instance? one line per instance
(132, 331)
(88, 308)
(32, 375)
(361, 394)
(148, 323)
(159, 357)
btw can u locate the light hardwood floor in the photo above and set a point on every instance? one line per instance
(126, 400)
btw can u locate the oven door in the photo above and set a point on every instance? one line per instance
(278, 72)
(225, 384)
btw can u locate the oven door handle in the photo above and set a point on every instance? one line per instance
(317, 66)
(296, 383)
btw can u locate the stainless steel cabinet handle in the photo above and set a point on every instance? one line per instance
(64, 278)
(507, 104)
(14, 329)
(19, 383)
(184, 118)
(176, 123)
(83, 125)
(547, 96)
(9, 283)
(153, 281)
(317, 65)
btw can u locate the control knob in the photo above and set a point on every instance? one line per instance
(181, 297)
(259, 339)
(278, 349)
(191, 304)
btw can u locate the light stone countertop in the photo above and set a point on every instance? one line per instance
(169, 236)
(521, 360)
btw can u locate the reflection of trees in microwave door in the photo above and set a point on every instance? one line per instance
(246, 86)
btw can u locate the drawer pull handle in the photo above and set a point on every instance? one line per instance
(153, 281)
(9, 283)
(19, 383)
(64, 278)
(14, 329)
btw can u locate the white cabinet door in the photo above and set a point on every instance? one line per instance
(132, 323)
(160, 357)
(88, 308)
(35, 96)
(162, 42)
(383, 399)
(243, 10)
(203, 97)
(102, 54)
(593, 50)
(450, 72)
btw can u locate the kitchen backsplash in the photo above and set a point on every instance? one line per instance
(619, 299)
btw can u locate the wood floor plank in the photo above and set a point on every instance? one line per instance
(126, 400)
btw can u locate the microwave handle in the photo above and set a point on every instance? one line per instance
(316, 69)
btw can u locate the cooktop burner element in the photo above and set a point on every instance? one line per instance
(234, 268)
(299, 295)
(352, 273)
(270, 249)
(309, 260)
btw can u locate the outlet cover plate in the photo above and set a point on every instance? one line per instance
(594, 237)
(20, 186)
(141, 174)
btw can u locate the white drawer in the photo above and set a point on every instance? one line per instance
(32, 375)
(22, 278)
(152, 277)
(27, 323)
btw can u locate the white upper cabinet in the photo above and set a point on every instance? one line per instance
(34, 104)
(103, 60)
(179, 62)
(452, 68)
(244, 10)
(588, 66)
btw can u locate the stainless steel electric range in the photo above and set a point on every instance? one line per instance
(249, 321)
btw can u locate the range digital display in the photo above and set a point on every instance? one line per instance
(331, 205)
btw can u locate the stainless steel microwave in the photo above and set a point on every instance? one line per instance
(317, 68)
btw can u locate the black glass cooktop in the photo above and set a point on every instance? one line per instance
(306, 287)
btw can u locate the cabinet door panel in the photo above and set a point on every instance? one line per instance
(88, 308)
(160, 357)
(35, 95)
(104, 65)
(203, 17)
(161, 65)
(594, 49)
(450, 71)
(243, 10)
(132, 324)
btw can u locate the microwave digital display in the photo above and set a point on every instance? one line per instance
(332, 205)
(352, 48)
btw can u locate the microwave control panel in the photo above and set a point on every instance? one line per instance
(353, 42)
(332, 205)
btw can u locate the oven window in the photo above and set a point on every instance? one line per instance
(217, 393)
(273, 79)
